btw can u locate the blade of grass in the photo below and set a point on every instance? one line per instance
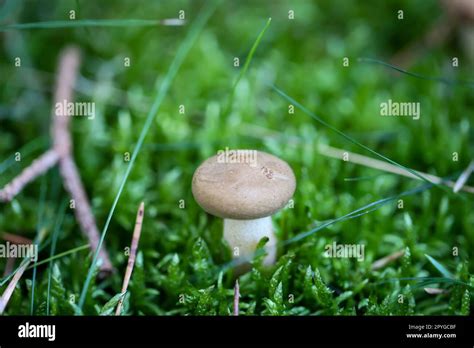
(39, 263)
(424, 281)
(183, 50)
(39, 225)
(60, 255)
(16, 275)
(11, 287)
(443, 270)
(416, 75)
(57, 228)
(353, 157)
(80, 23)
(329, 151)
(248, 60)
(25, 150)
(352, 140)
(359, 212)
(353, 214)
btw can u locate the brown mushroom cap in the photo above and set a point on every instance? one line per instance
(248, 189)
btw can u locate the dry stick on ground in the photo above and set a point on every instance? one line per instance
(63, 145)
(62, 153)
(236, 298)
(133, 252)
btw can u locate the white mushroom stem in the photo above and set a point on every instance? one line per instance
(244, 235)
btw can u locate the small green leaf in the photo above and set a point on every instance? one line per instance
(323, 293)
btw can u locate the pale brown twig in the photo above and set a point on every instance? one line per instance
(82, 211)
(236, 298)
(35, 169)
(133, 252)
(62, 153)
(380, 263)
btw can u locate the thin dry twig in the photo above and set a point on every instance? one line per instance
(83, 211)
(35, 169)
(236, 298)
(61, 153)
(133, 252)
(380, 263)
(63, 146)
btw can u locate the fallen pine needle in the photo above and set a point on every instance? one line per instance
(133, 252)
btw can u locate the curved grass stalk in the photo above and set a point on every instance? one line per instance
(183, 51)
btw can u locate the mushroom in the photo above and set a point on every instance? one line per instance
(245, 189)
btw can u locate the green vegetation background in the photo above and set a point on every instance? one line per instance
(181, 252)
